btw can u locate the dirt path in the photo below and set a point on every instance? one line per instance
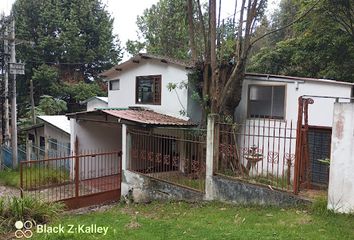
(6, 191)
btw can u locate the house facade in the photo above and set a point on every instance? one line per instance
(269, 113)
(143, 81)
(96, 102)
(50, 137)
(276, 97)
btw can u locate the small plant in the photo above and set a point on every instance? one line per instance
(319, 206)
(326, 161)
(26, 208)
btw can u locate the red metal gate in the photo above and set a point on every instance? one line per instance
(301, 170)
(78, 181)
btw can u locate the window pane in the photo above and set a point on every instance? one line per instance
(260, 101)
(114, 85)
(278, 101)
(145, 90)
(148, 89)
(266, 101)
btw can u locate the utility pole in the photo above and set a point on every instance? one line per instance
(13, 99)
(6, 89)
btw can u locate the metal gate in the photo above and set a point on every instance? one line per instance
(312, 145)
(78, 181)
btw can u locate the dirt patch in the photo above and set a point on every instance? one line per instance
(6, 191)
(96, 208)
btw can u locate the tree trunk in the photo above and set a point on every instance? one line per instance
(191, 30)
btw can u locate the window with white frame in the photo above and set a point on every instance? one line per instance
(114, 85)
(266, 101)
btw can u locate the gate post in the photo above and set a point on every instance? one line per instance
(76, 168)
(210, 156)
(298, 145)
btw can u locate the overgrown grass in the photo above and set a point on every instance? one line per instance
(27, 208)
(34, 176)
(180, 220)
(10, 178)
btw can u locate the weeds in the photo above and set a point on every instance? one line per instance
(27, 208)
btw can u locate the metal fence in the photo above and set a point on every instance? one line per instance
(50, 149)
(67, 178)
(174, 155)
(261, 151)
(6, 156)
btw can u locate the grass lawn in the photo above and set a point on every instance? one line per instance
(35, 176)
(179, 220)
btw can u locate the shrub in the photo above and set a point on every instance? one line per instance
(26, 208)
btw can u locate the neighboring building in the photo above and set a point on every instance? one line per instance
(276, 97)
(95, 103)
(142, 81)
(52, 130)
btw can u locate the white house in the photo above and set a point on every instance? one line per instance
(143, 80)
(95, 103)
(51, 134)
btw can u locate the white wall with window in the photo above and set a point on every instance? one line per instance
(145, 84)
(279, 100)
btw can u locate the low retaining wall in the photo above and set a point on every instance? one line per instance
(236, 191)
(144, 189)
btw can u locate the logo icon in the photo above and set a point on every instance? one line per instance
(24, 229)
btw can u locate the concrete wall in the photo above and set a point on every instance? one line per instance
(145, 189)
(341, 178)
(95, 103)
(96, 137)
(171, 103)
(236, 191)
(60, 136)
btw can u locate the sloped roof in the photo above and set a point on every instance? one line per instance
(114, 71)
(138, 115)
(272, 77)
(103, 99)
(147, 117)
(59, 121)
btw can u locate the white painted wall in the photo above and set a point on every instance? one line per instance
(341, 178)
(320, 113)
(96, 137)
(171, 102)
(95, 103)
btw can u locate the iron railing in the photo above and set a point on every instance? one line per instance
(70, 177)
(258, 150)
(174, 155)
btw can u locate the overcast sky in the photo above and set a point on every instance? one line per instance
(125, 13)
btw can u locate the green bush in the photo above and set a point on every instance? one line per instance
(26, 208)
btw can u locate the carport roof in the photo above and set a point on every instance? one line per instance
(142, 116)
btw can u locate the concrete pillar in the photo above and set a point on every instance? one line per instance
(124, 147)
(210, 156)
(341, 178)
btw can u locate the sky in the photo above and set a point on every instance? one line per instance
(125, 13)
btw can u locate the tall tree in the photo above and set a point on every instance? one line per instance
(164, 30)
(72, 37)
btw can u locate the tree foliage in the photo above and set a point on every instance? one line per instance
(72, 43)
(67, 31)
(51, 106)
(318, 46)
(163, 30)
